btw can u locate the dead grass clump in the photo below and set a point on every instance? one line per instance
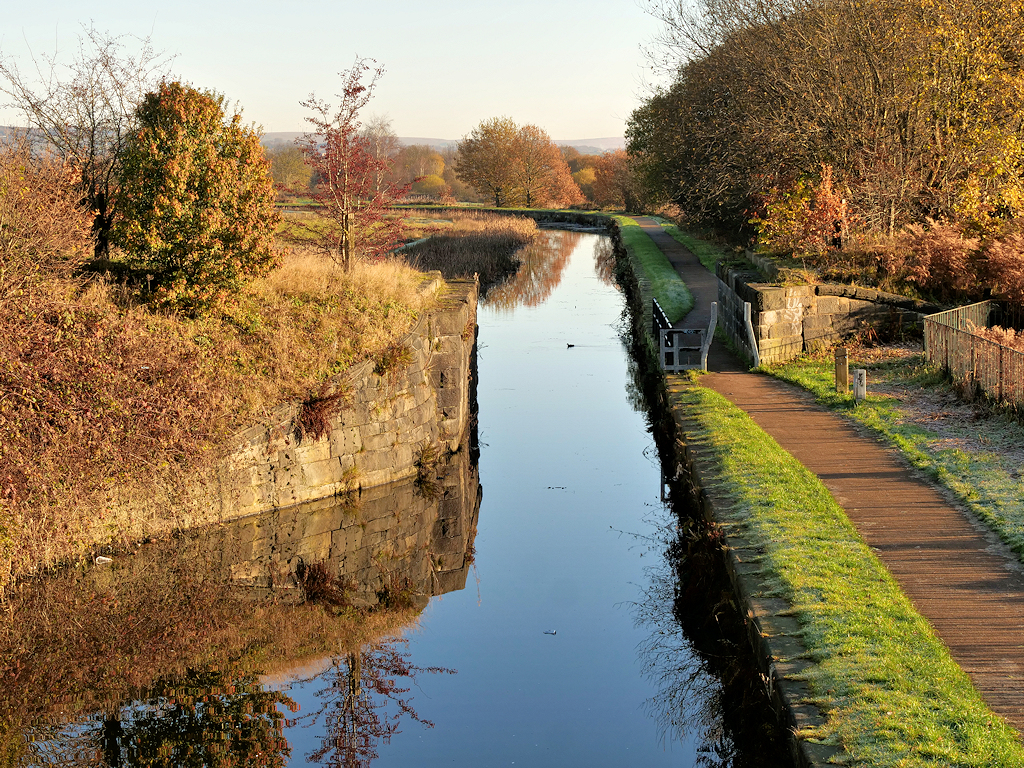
(314, 419)
(427, 482)
(471, 243)
(320, 586)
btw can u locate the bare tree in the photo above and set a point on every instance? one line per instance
(84, 111)
(383, 145)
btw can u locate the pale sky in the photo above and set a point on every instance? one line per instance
(574, 68)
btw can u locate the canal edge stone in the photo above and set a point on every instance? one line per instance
(773, 633)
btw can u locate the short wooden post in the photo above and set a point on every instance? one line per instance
(842, 370)
(860, 384)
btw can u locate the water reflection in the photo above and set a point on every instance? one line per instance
(605, 264)
(541, 265)
(175, 655)
(364, 703)
(709, 689)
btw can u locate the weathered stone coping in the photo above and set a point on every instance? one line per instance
(773, 633)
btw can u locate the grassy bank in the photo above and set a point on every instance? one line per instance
(892, 694)
(104, 396)
(671, 293)
(976, 455)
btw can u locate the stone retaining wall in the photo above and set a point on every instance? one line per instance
(380, 431)
(379, 428)
(791, 320)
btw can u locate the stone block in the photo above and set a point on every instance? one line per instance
(346, 539)
(820, 332)
(814, 325)
(372, 462)
(832, 305)
(321, 473)
(865, 294)
(785, 331)
(309, 452)
(381, 442)
(452, 322)
(313, 548)
(355, 415)
(450, 397)
(770, 299)
(860, 307)
(325, 520)
(346, 441)
(791, 315)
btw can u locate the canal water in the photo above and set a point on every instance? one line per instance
(557, 632)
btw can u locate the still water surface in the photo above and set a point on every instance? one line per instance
(555, 643)
(570, 477)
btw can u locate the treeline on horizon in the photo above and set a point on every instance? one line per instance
(585, 179)
(878, 139)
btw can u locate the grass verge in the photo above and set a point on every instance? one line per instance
(892, 694)
(671, 292)
(984, 480)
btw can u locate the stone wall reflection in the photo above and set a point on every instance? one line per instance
(418, 533)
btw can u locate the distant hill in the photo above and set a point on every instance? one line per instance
(276, 138)
(586, 146)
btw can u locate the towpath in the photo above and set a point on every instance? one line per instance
(970, 587)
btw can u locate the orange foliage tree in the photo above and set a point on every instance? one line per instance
(516, 165)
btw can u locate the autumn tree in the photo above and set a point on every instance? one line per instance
(487, 159)
(197, 199)
(383, 144)
(85, 111)
(915, 104)
(349, 192)
(543, 176)
(431, 185)
(614, 185)
(418, 160)
(516, 165)
(288, 167)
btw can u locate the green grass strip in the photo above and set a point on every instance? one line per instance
(709, 254)
(668, 288)
(892, 694)
(985, 482)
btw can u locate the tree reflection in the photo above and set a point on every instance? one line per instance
(709, 688)
(605, 264)
(208, 718)
(540, 271)
(365, 703)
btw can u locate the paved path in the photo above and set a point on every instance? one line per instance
(958, 576)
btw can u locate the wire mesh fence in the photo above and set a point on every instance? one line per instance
(951, 340)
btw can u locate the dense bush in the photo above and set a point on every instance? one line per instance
(197, 198)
